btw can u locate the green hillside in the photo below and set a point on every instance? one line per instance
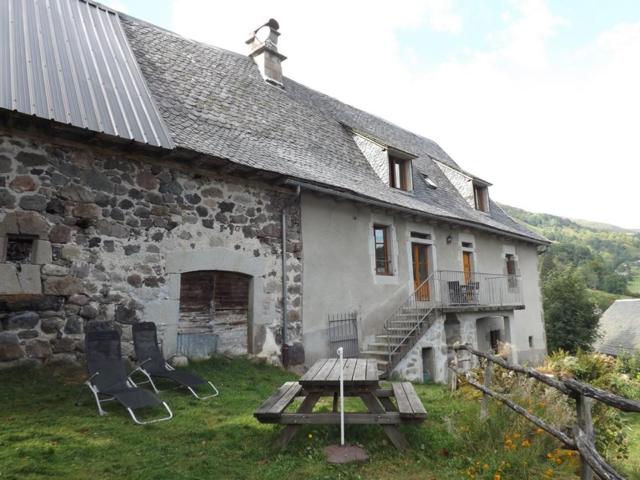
(606, 256)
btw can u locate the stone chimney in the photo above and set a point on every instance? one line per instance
(263, 46)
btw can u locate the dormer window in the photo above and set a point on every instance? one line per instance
(481, 197)
(399, 172)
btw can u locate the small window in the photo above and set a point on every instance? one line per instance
(421, 236)
(481, 197)
(467, 245)
(19, 249)
(530, 341)
(399, 173)
(512, 270)
(430, 183)
(381, 242)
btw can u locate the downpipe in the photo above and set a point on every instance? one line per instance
(285, 302)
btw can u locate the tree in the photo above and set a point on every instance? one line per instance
(615, 283)
(547, 266)
(570, 317)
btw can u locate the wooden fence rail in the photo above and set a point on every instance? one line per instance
(583, 433)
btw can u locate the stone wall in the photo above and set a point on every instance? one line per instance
(446, 330)
(106, 225)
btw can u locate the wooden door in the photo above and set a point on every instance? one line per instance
(421, 270)
(466, 264)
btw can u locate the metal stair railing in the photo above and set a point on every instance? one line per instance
(414, 311)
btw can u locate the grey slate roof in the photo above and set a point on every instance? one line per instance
(215, 102)
(82, 64)
(620, 328)
(69, 61)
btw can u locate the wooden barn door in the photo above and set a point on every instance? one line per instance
(215, 304)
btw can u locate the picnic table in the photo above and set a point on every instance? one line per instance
(385, 407)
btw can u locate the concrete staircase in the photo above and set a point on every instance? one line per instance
(402, 330)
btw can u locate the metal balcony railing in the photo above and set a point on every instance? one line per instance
(460, 289)
(442, 289)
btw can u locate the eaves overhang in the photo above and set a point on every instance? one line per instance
(359, 198)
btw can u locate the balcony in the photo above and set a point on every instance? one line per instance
(473, 291)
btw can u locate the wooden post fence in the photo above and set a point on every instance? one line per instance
(488, 374)
(583, 433)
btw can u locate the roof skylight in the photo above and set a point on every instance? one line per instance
(430, 183)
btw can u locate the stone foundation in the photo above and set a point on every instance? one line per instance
(111, 233)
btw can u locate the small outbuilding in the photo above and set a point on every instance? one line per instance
(620, 328)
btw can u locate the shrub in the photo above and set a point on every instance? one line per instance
(520, 449)
(630, 364)
(610, 374)
(559, 410)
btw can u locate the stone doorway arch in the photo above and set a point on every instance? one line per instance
(213, 259)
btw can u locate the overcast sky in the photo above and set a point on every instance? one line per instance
(541, 98)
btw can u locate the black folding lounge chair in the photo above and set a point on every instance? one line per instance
(152, 363)
(108, 379)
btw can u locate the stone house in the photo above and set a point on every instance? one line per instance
(145, 176)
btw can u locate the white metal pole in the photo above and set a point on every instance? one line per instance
(341, 398)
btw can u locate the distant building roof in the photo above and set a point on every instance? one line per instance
(620, 328)
(69, 61)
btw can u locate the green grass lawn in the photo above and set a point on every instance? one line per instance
(42, 435)
(633, 463)
(604, 299)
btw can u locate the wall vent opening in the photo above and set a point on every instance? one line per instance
(19, 249)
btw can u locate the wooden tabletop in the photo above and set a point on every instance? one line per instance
(326, 372)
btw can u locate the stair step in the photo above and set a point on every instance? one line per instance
(408, 323)
(384, 337)
(379, 345)
(376, 353)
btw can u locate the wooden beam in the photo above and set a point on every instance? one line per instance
(552, 382)
(589, 453)
(387, 418)
(585, 425)
(488, 375)
(603, 396)
(568, 386)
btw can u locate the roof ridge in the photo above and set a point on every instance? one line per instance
(172, 33)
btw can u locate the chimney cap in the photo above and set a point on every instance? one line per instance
(263, 45)
(272, 23)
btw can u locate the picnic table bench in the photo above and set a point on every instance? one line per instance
(360, 380)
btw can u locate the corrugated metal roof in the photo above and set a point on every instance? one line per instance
(69, 61)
